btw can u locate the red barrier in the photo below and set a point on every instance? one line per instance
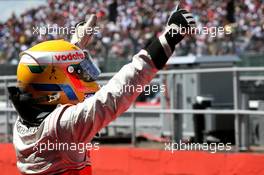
(7, 160)
(132, 161)
(136, 161)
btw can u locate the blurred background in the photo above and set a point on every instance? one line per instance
(212, 87)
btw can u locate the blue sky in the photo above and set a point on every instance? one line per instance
(17, 6)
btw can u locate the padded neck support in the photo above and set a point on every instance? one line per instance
(31, 113)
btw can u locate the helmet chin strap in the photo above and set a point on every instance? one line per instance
(54, 97)
(16, 95)
(47, 98)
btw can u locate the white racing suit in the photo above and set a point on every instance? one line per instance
(73, 124)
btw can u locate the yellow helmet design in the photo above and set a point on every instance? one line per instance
(57, 72)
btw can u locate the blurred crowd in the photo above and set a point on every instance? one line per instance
(129, 25)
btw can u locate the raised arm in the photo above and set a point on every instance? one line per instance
(85, 119)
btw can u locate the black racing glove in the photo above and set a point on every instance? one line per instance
(161, 48)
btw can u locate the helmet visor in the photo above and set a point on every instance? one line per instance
(86, 70)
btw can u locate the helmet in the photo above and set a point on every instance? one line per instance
(57, 72)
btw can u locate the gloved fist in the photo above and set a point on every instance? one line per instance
(162, 48)
(181, 18)
(82, 37)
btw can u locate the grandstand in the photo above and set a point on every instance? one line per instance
(135, 24)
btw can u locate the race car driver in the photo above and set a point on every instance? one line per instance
(58, 99)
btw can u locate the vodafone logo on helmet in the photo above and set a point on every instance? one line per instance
(69, 56)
